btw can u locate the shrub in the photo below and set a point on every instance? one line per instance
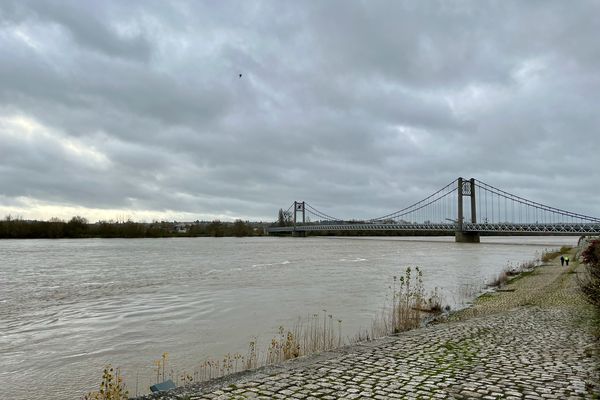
(590, 282)
(591, 254)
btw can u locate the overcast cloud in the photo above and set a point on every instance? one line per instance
(136, 109)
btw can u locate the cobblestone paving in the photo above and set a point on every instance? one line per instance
(533, 343)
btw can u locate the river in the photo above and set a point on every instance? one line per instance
(68, 307)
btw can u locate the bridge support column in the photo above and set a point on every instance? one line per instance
(299, 208)
(466, 188)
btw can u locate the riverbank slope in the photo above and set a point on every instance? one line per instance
(538, 341)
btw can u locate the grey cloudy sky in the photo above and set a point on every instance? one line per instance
(135, 109)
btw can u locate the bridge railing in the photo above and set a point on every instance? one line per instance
(560, 228)
(486, 228)
(365, 227)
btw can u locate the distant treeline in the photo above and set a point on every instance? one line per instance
(78, 227)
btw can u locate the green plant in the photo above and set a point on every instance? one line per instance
(565, 249)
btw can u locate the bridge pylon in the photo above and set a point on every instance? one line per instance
(299, 207)
(466, 188)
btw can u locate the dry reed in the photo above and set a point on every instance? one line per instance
(310, 335)
(407, 309)
(112, 386)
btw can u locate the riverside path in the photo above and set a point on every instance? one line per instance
(536, 342)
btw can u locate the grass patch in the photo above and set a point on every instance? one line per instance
(549, 255)
(485, 297)
(522, 275)
(457, 353)
(512, 273)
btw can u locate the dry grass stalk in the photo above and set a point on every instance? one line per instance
(501, 279)
(112, 387)
(312, 335)
(407, 309)
(512, 270)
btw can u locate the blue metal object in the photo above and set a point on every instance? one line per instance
(163, 386)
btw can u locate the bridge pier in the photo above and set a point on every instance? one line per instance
(466, 188)
(298, 233)
(467, 237)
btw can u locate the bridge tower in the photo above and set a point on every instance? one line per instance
(466, 188)
(299, 208)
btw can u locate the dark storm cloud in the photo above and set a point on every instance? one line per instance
(359, 108)
(88, 25)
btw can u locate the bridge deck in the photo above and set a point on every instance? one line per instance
(575, 229)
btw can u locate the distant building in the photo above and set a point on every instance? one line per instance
(180, 228)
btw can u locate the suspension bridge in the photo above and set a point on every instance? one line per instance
(487, 211)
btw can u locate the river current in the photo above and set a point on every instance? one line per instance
(68, 307)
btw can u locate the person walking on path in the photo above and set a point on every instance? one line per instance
(567, 260)
(562, 260)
